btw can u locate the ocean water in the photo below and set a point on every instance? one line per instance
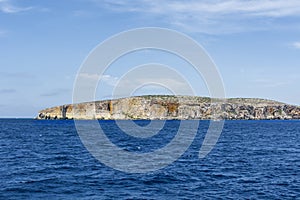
(252, 160)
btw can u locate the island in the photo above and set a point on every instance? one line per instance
(168, 107)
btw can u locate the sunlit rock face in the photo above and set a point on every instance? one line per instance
(174, 107)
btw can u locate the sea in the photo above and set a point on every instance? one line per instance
(46, 159)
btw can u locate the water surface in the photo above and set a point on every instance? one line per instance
(252, 159)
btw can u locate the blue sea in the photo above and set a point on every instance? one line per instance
(251, 160)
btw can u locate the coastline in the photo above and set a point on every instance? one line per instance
(165, 107)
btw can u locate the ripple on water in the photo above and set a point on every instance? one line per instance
(252, 160)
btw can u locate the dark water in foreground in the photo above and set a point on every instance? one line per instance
(252, 160)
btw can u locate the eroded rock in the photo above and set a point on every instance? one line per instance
(174, 107)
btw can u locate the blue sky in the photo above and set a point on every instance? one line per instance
(255, 45)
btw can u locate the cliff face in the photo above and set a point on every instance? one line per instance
(174, 107)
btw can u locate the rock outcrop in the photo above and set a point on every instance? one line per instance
(174, 107)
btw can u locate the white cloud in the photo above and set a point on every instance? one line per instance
(214, 16)
(296, 45)
(6, 6)
(88, 76)
(123, 85)
(275, 8)
(108, 79)
(261, 8)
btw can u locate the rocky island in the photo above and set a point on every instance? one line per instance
(174, 107)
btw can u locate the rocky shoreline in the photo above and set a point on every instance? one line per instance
(165, 107)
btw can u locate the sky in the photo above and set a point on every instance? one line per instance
(255, 45)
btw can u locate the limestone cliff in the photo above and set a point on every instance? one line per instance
(174, 107)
